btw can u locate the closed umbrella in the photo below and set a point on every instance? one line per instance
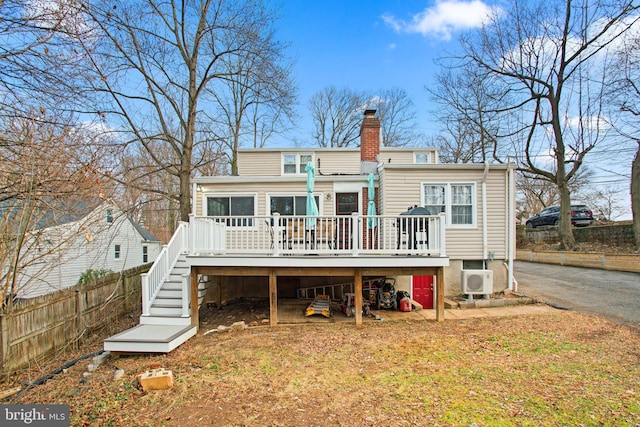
(312, 208)
(371, 207)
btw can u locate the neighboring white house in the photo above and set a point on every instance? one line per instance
(55, 257)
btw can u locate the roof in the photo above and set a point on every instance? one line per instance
(146, 235)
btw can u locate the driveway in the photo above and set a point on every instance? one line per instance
(614, 295)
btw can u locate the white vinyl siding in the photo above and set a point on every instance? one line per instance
(401, 188)
(89, 243)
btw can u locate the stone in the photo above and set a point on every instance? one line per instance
(92, 367)
(101, 358)
(265, 321)
(118, 374)
(483, 303)
(222, 328)
(156, 379)
(467, 304)
(239, 326)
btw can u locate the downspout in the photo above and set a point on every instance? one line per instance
(511, 227)
(194, 191)
(485, 243)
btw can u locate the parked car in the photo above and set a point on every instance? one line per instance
(581, 216)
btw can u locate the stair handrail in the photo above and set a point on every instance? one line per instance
(152, 280)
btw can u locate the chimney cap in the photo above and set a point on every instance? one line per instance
(369, 113)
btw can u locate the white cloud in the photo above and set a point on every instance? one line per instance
(444, 18)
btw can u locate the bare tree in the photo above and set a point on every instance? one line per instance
(625, 99)
(397, 114)
(153, 63)
(256, 100)
(38, 62)
(534, 193)
(469, 107)
(337, 115)
(547, 57)
(48, 176)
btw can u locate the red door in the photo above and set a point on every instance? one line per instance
(423, 290)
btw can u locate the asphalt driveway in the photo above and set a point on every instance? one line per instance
(614, 295)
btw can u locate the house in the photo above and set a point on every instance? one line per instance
(437, 229)
(103, 237)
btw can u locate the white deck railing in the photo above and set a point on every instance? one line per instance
(321, 235)
(152, 280)
(277, 235)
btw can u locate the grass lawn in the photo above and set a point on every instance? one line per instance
(557, 369)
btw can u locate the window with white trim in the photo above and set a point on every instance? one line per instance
(456, 200)
(232, 206)
(290, 205)
(422, 157)
(295, 163)
(117, 252)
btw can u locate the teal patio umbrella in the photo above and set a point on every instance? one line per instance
(371, 207)
(312, 208)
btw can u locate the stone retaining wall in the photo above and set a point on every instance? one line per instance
(605, 261)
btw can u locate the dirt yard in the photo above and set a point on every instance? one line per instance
(555, 369)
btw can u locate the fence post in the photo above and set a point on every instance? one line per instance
(4, 340)
(79, 321)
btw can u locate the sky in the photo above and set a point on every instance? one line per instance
(371, 45)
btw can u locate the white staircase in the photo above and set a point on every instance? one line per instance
(168, 323)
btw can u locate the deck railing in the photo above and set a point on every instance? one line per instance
(353, 235)
(152, 281)
(278, 235)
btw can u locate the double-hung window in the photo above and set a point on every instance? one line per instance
(240, 208)
(456, 200)
(117, 252)
(295, 163)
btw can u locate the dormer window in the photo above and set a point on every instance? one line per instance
(294, 163)
(422, 157)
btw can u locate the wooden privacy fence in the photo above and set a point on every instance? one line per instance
(34, 328)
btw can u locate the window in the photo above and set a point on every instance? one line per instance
(116, 253)
(291, 205)
(295, 163)
(422, 157)
(145, 254)
(109, 216)
(456, 200)
(232, 206)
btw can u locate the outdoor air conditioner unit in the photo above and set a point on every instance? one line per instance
(478, 282)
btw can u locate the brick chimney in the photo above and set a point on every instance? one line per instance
(369, 142)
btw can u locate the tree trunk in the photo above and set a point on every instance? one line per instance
(635, 197)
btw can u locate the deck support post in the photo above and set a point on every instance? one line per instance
(219, 292)
(440, 295)
(273, 298)
(194, 298)
(358, 290)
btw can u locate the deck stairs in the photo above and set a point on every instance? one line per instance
(165, 327)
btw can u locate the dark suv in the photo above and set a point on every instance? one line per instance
(581, 216)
